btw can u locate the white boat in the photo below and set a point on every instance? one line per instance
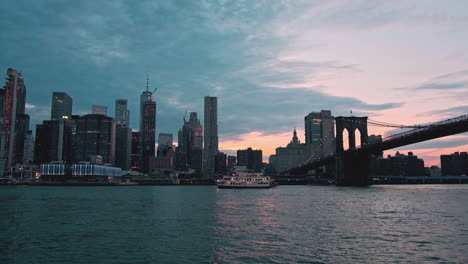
(240, 179)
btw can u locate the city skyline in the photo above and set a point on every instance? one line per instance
(269, 64)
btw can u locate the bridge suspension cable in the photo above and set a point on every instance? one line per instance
(385, 124)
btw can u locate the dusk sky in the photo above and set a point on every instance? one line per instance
(269, 62)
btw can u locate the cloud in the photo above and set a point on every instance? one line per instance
(450, 112)
(29, 106)
(450, 81)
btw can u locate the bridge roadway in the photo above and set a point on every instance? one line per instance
(426, 132)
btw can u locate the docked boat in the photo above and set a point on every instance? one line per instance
(241, 179)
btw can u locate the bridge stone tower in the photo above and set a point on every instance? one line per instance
(352, 169)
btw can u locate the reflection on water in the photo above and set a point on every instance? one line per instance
(201, 224)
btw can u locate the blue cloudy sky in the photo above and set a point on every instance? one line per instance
(269, 62)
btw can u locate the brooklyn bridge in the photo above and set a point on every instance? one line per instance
(351, 167)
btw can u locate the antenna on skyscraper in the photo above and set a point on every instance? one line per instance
(147, 81)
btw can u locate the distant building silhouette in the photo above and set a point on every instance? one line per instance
(231, 162)
(250, 158)
(400, 165)
(210, 135)
(221, 164)
(189, 150)
(62, 105)
(455, 164)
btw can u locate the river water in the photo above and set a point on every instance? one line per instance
(201, 224)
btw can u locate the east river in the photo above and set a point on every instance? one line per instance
(201, 224)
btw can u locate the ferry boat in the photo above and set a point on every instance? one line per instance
(243, 179)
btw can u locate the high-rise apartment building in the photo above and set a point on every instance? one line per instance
(319, 134)
(62, 105)
(210, 135)
(147, 127)
(14, 104)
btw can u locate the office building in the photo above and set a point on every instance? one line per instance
(54, 141)
(28, 152)
(210, 135)
(62, 105)
(220, 164)
(290, 156)
(21, 129)
(147, 127)
(122, 114)
(95, 135)
(231, 162)
(250, 158)
(319, 134)
(164, 144)
(190, 139)
(136, 152)
(99, 110)
(123, 146)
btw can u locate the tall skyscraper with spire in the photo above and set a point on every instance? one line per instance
(147, 126)
(15, 122)
(210, 135)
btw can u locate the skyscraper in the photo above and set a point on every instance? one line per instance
(53, 141)
(122, 114)
(99, 110)
(62, 105)
(190, 139)
(123, 146)
(95, 135)
(136, 152)
(123, 135)
(14, 105)
(319, 134)
(147, 127)
(210, 135)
